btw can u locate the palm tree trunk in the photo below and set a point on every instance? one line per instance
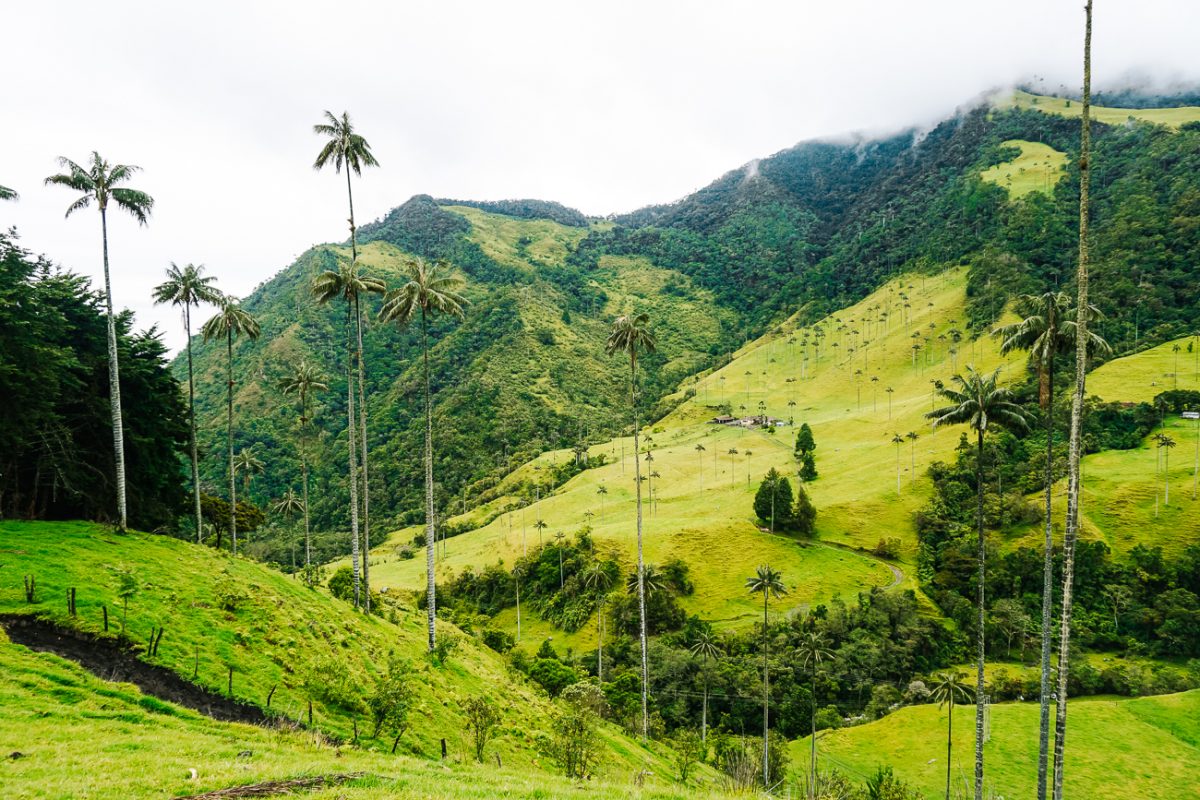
(812, 766)
(366, 495)
(187, 324)
(641, 567)
(949, 744)
(229, 441)
(1073, 448)
(704, 709)
(307, 533)
(766, 699)
(979, 636)
(114, 382)
(430, 586)
(1047, 588)
(599, 639)
(353, 473)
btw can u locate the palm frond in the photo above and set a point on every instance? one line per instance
(8, 194)
(137, 203)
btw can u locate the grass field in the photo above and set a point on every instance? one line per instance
(1141, 376)
(279, 634)
(1037, 169)
(1139, 749)
(1170, 117)
(702, 511)
(82, 737)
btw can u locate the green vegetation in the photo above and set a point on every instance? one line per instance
(1037, 168)
(1068, 107)
(1140, 749)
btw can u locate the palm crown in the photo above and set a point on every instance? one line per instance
(232, 320)
(247, 461)
(1049, 329)
(344, 147)
(187, 286)
(7, 193)
(348, 282)
(979, 402)
(766, 580)
(289, 505)
(431, 289)
(949, 687)
(99, 183)
(304, 380)
(631, 335)
(705, 646)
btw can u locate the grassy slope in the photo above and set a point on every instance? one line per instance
(1124, 490)
(274, 637)
(704, 512)
(1171, 117)
(83, 737)
(1141, 749)
(1037, 169)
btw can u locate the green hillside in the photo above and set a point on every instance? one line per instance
(1067, 107)
(69, 728)
(1141, 749)
(281, 638)
(1037, 168)
(702, 512)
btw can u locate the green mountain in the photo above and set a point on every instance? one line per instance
(805, 231)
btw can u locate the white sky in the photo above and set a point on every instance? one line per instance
(603, 106)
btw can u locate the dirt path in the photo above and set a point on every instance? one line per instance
(897, 573)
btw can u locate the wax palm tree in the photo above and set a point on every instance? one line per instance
(249, 464)
(770, 583)
(980, 403)
(602, 490)
(232, 320)
(631, 336)
(99, 183)
(188, 286)
(345, 149)
(288, 507)
(897, 440)
(559, 538)
(947, 688)
(8, 194)
(304, 381)
(912, 437)
(1074, 441)
(813, 650)
(705, 647)
(1047, 331)
(599, 578)
(700, 460)
(351, 284)
(431, 291)
(731, 452)
(1165, 443)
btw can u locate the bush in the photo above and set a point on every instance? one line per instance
(500, 641)
(391, 699)
(482, 719)
(576, 745)
(341, 584)
(552, 675)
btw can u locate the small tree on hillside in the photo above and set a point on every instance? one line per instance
(808, 467)
(482, 719)
(773, 502)
(391, 699)
(804, 514)
(805, 443)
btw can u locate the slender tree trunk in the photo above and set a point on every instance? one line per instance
(812, 756)
(1047, 586)
(229, 443)
(351, 421)
(430, 586)
(114, 382)
(641, 566)
(600, 640)
(979, 636)
(1073, 451)
(366, 495)
(766, 699)
(304, 441)
(187, 325)
(704, 709)
(949, 743)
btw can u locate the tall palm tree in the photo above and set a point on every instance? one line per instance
(8, 194)
(304, 381)
(348, 150)
(598, 578)
(631, 336)
(812, 651)
(1048, 330)
(770, 583)
(188, 286)
(1165, 443)
(431, 291)
(232, 320)
(700, 457)
(948, 687)
(99, 183)
(912, 437)
(1076, 430)
(602, 490)
(897, 440)
(288, 507)
(350, 283)
(249, 464)
(980, 403)
(705, 647)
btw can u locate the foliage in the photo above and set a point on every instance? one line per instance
(688, 750)
(482, 717)
(576, 743)
(56, 449)
(391, 699)
(773, 503)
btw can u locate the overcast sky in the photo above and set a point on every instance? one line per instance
(603, 106)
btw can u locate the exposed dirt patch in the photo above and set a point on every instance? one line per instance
(276, 787)
(111, 660)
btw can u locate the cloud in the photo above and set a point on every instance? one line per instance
(603, 107)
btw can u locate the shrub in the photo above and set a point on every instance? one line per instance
(341, 584)
(391, 699)
(482, 719)
(500, 641)
(552, 675)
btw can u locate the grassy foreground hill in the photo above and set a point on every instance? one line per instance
(1140, 749)
(281, 639)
